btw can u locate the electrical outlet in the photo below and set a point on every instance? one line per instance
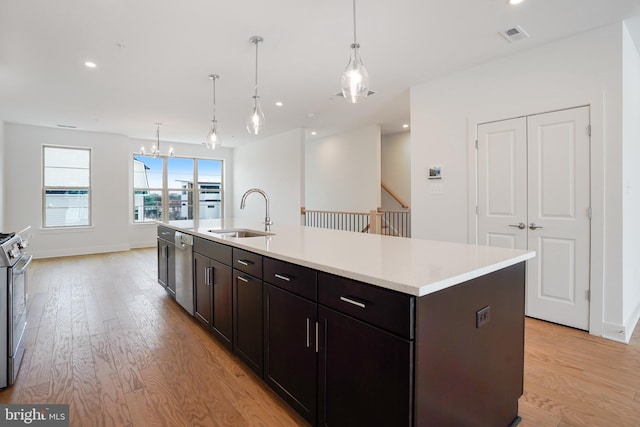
(483, 316)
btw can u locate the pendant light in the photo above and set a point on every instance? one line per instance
(255, 122)
(155, 148)
(213, 138)
(355, 79)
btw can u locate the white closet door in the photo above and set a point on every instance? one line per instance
(502, 183)
(558, 217)
(534, 193)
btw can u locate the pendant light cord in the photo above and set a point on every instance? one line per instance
(214, 99)
(354, 22)
(158, 135)
(256, 86)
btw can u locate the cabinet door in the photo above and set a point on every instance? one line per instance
(247, 320)
(221, 320)
(171, 268)
(365, 374)
(203, 280)
(162, 263)
(167, 266)
(290, 360)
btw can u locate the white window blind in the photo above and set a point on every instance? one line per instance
(66, 186)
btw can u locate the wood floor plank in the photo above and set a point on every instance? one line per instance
(110, 387)
(84, 407)
(159, 400)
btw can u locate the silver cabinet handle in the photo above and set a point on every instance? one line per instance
(316, 337)
(245, 263)
(209, 276)
(520, 225)
(533, 226)
(350, 301)
(206, 276)
(281, 277)
(242, 279)
(308, 342)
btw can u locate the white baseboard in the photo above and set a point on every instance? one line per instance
(614, 332)
(55, 253)
(144, 244)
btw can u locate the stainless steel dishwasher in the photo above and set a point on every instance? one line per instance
(184, 270)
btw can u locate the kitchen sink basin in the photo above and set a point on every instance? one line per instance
(241, 233)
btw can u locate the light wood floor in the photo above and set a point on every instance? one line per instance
(105, 337)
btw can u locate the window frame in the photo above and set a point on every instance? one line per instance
(165, 190)
(88, 189)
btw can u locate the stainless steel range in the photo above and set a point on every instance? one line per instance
(14, 262)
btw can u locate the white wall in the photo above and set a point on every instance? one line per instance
(343, 171)
(275, 165)
(23, 162)
(112, 228)
(396, 164)
(631, 178)
(582, 70)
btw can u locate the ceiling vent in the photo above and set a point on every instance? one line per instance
(514, 34)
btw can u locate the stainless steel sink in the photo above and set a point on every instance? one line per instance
(240, 233)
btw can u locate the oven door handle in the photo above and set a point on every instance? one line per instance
(18, 271)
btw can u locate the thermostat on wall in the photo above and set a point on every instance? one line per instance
(435, 172)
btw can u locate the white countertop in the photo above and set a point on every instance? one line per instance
(412, 266)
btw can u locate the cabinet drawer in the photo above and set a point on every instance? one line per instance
(294, 278)
(213, 250)
(389, 310)
(166, 233)
(248, 262)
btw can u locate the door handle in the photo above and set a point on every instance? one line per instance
(533, 226)
(520, 225)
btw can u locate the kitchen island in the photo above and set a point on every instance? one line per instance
(360, 329)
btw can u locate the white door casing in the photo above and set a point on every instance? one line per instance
(549, 191)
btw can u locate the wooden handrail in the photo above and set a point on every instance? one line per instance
(394, 195)
(304, 210)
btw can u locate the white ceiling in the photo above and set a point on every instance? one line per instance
(154, 57)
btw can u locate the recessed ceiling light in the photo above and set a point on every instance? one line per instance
(314, 133)
(90, 64)
(279, 104)
(514, 1)
(405, 125)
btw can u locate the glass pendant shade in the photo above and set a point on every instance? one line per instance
(213, 138)
(255, 122)
(355, 79)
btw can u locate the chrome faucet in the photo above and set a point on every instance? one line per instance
(267, 220)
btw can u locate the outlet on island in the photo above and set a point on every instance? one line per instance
(483, 316)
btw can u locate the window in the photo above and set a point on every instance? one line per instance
(147, 188)
(209, 189)
(163, 188)
(180, 186)
(66, 195)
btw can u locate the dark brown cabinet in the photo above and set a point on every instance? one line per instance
(213, 288)
(290, 359)
(290, 334)
(366, 353)
(166, 259)
(346, 353)
(365, 374)
(247, 315)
